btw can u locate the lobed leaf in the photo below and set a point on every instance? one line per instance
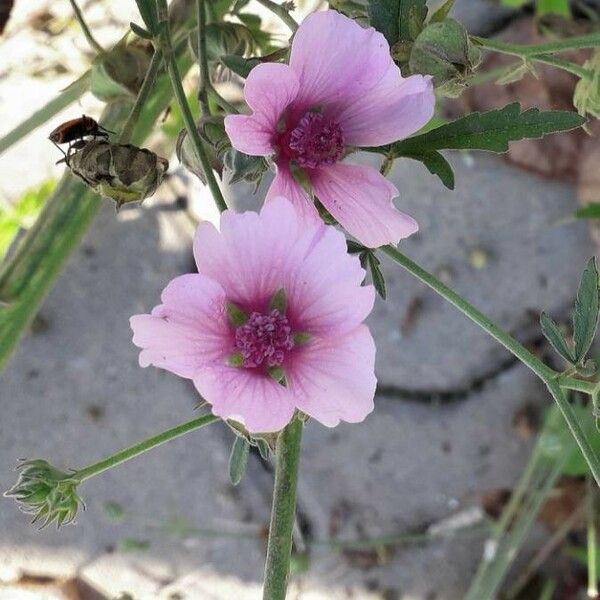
(491, 131)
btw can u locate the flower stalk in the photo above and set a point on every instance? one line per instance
(553, 380)
(163, 43)
(141, 447)
(283, 512)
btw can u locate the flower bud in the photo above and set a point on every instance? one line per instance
(120, 72)
(122, 172)
(445, 51)
(587, 91)
(46, 492)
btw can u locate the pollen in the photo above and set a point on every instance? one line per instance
(316, 141)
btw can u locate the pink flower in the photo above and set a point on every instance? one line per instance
(341, 89)
(271, 323)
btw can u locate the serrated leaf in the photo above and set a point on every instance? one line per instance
(376, 275)
(554, 335)
(585, 319)
(491, 131)
(238, 459)
(437, 165)
(149, 14)
(398, 20)
(591, 211)
(442, 12)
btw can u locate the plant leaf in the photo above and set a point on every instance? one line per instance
(239, 65)
(398, 20)
(149, 14)
(238, 459)
(591, 211)
(442, 12)
(376, 274)
(553, 7)
(437, 165)
(491, 131)
(554, 335)
(585, 319)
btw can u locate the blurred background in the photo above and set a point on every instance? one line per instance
(412, 504)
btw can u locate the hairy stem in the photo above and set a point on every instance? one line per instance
(141, 447)
(545, 373)
(281, 12)
(204, 83)
(592, 545)
(591, 40)
(164, 44)
(283, 511)
(86, 30)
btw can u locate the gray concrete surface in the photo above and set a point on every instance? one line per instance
(73, 393)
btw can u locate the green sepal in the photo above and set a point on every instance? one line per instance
(278, 375)
(235, 314)
(238, 459)
(279, 301)
(235, 360)
(301, 338)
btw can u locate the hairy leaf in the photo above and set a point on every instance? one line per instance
(442, 12)
(491, 131)
(554, 335)
(376, 274)
(585, 319)
(398, 20)
(238, 459)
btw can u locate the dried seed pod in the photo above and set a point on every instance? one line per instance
(122, 172)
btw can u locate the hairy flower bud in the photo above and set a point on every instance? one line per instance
(122, 172)
(444, 50)
(46, 492)
(587, 91)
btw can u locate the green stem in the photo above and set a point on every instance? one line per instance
(69, 95)
(164, 44)
(592, 543)
(281, 12)
(577, 385)
(545, 373)
(591, 40)
(565, 65)
(142, 98)
(86, 30)
(283, 512)
(204, 83)
(137, 449)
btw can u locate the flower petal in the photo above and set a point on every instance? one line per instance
(392, 110)
(269, 89)
(248, 255)
(188, 331)
(323, 285)
(360, 198)
(334, 380)
(336, 60)
(249, 397)
(284, 185)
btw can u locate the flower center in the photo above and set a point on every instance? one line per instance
(316, 141)
(264, 339)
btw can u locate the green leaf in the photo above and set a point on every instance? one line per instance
(591, 211)
(554, 335)
(238, 459)
(553, 7)
(149, 14)
(140, 31)
(239, 65)
(437, 165)
(263, 448)
(442, 12)
(376, 274)
(398, 20)
(491, 131)
(585, 319)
